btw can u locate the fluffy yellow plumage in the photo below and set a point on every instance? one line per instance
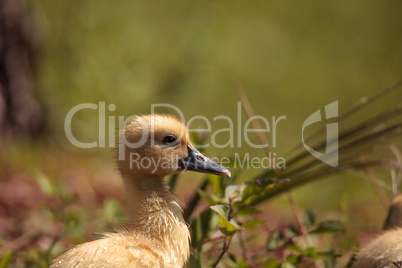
(385, 251)
(157, 235)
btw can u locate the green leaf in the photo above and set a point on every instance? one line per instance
(310, 252)
(292, 231)
(269, 181)
(112, 210)
(222, 210)
(248, 211)
(45, 184)
(252, 191)
(328, 254)
(309, 219)
(329, 226)
(242, 264)
(228, 228)
(294, 248)
(249, 191)
(252, 223)
(272, 264)
(292, 259)
(236, 204)
(275, 241)
(307, 252)
(6, 259)
(235, 263)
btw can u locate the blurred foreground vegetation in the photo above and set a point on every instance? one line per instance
(291, 58)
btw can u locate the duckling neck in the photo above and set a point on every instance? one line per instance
(146, 196)
(153, 209)
(154, 212)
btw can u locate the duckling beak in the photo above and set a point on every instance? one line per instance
(196, 161)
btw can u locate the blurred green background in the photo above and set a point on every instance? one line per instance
(291, 57)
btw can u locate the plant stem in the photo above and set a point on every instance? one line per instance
(373, 179)
(226, 244)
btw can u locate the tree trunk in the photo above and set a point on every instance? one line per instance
(20, 112)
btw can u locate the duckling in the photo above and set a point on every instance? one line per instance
(150, 148)
(385, 250)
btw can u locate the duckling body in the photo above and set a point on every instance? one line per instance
(156, 235)
(158, 239)
(385, 251)
(382, 252)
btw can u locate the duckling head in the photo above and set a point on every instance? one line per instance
(159, 145)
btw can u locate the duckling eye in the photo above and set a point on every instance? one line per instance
(169, 140)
